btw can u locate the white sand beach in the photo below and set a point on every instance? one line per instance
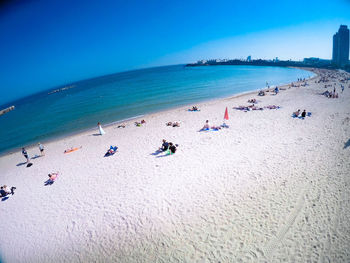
(270, 188)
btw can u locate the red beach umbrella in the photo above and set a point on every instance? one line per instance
(226, 114)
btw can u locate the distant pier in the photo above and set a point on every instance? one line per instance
(6, 110)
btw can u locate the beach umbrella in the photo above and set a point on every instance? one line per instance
(226, 114)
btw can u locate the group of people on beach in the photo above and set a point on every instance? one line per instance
(173, 124)
(139, 124)
(25, 153)
(5, 191)
(194, 108)
(253, 107)
(207, 126)
(297, 114)
(168, 146)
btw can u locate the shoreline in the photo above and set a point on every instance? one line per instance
(129, 121)
(269, 188)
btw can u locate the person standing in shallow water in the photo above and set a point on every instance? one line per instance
(100, 129)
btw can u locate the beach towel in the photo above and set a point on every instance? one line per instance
(72, 150)
(208, 130)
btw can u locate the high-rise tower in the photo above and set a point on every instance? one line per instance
(340, 55)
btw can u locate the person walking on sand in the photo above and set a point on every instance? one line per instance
(100, 129)
(41, 148)
(25, 154)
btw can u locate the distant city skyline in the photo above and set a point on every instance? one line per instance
(52, 43)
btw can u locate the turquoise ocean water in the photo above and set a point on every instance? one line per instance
(120, 96)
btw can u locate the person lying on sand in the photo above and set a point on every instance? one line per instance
(252, 101)
(215, 127)
(121, 126)
(256, 108)
(72, 149)
(272, 107)
(112, 149)
(244, 108)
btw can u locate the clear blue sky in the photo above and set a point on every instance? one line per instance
(48, 43)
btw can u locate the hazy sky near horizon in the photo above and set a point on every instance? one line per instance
(49, 43)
